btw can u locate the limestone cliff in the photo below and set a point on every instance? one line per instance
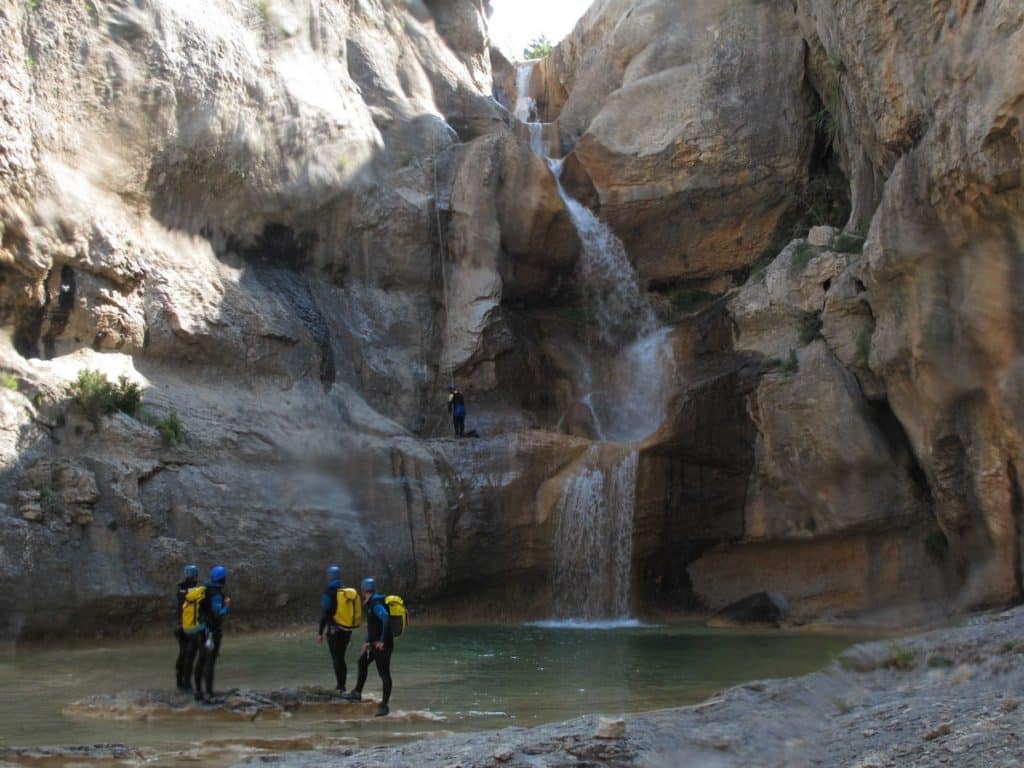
(292, 221)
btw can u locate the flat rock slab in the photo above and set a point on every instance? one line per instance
(236, 704)
(97, 754)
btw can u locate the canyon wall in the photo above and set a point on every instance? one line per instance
(293, 222)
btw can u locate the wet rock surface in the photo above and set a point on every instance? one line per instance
(949, 697)
(236, 704)
(96, 754)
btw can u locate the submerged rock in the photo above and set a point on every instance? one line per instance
(236, 704)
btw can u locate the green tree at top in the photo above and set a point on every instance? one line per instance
(538, 48)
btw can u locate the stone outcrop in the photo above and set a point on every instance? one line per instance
(929, 100)
(237, 207)
(691, 122)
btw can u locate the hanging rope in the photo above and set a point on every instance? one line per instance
(444, 259)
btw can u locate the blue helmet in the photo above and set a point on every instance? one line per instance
(219, 574)
(191, 571)
(334, 573)
(369, 584)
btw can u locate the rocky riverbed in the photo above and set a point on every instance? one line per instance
(949, 697)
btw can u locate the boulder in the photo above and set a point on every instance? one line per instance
(694, 147)
(758, 608)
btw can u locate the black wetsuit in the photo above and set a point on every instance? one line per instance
(377, 629)
(212, 610)
(337, 637)
(457, 406)
(187, 644)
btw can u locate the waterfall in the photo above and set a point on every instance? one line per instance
(611, 287)
(595, 540)
(625, 392)
(525, 106)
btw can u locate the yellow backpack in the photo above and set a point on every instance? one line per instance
(399, 617)
(190, 618)
(349, 613)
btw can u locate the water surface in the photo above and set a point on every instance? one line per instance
(474, 678)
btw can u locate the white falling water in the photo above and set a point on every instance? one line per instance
(525, 106)
(611, 287)
(595, 540)
(625, 394)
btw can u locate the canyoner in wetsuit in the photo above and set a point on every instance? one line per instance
(457, 408)
(340, 614)
(188, 644)
(379, 645)
(213, 608)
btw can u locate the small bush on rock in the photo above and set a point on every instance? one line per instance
(847, 242)
(790, 365)
(810, 327)
(170, 429)
(9, 381)
(901, 658)
(802, 257)
(97, 396)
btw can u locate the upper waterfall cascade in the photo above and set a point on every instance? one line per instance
(625, 393)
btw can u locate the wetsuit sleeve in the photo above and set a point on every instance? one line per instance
(381, 612)
(328, 605)
(220, 608)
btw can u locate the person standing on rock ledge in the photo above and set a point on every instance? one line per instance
(341, 613)
(213, 610)
(457, 408)
(379, 645)
(187, 646)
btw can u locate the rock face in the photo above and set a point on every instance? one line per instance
(294, 225)
(691, 123)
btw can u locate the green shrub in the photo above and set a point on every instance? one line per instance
(901, 658)
(9, 381)
(790, 365)
(802, 257)
(759, 271)
(96, 396)
(847, 242)
(171, 431)
(825, 199)
(810, 327)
